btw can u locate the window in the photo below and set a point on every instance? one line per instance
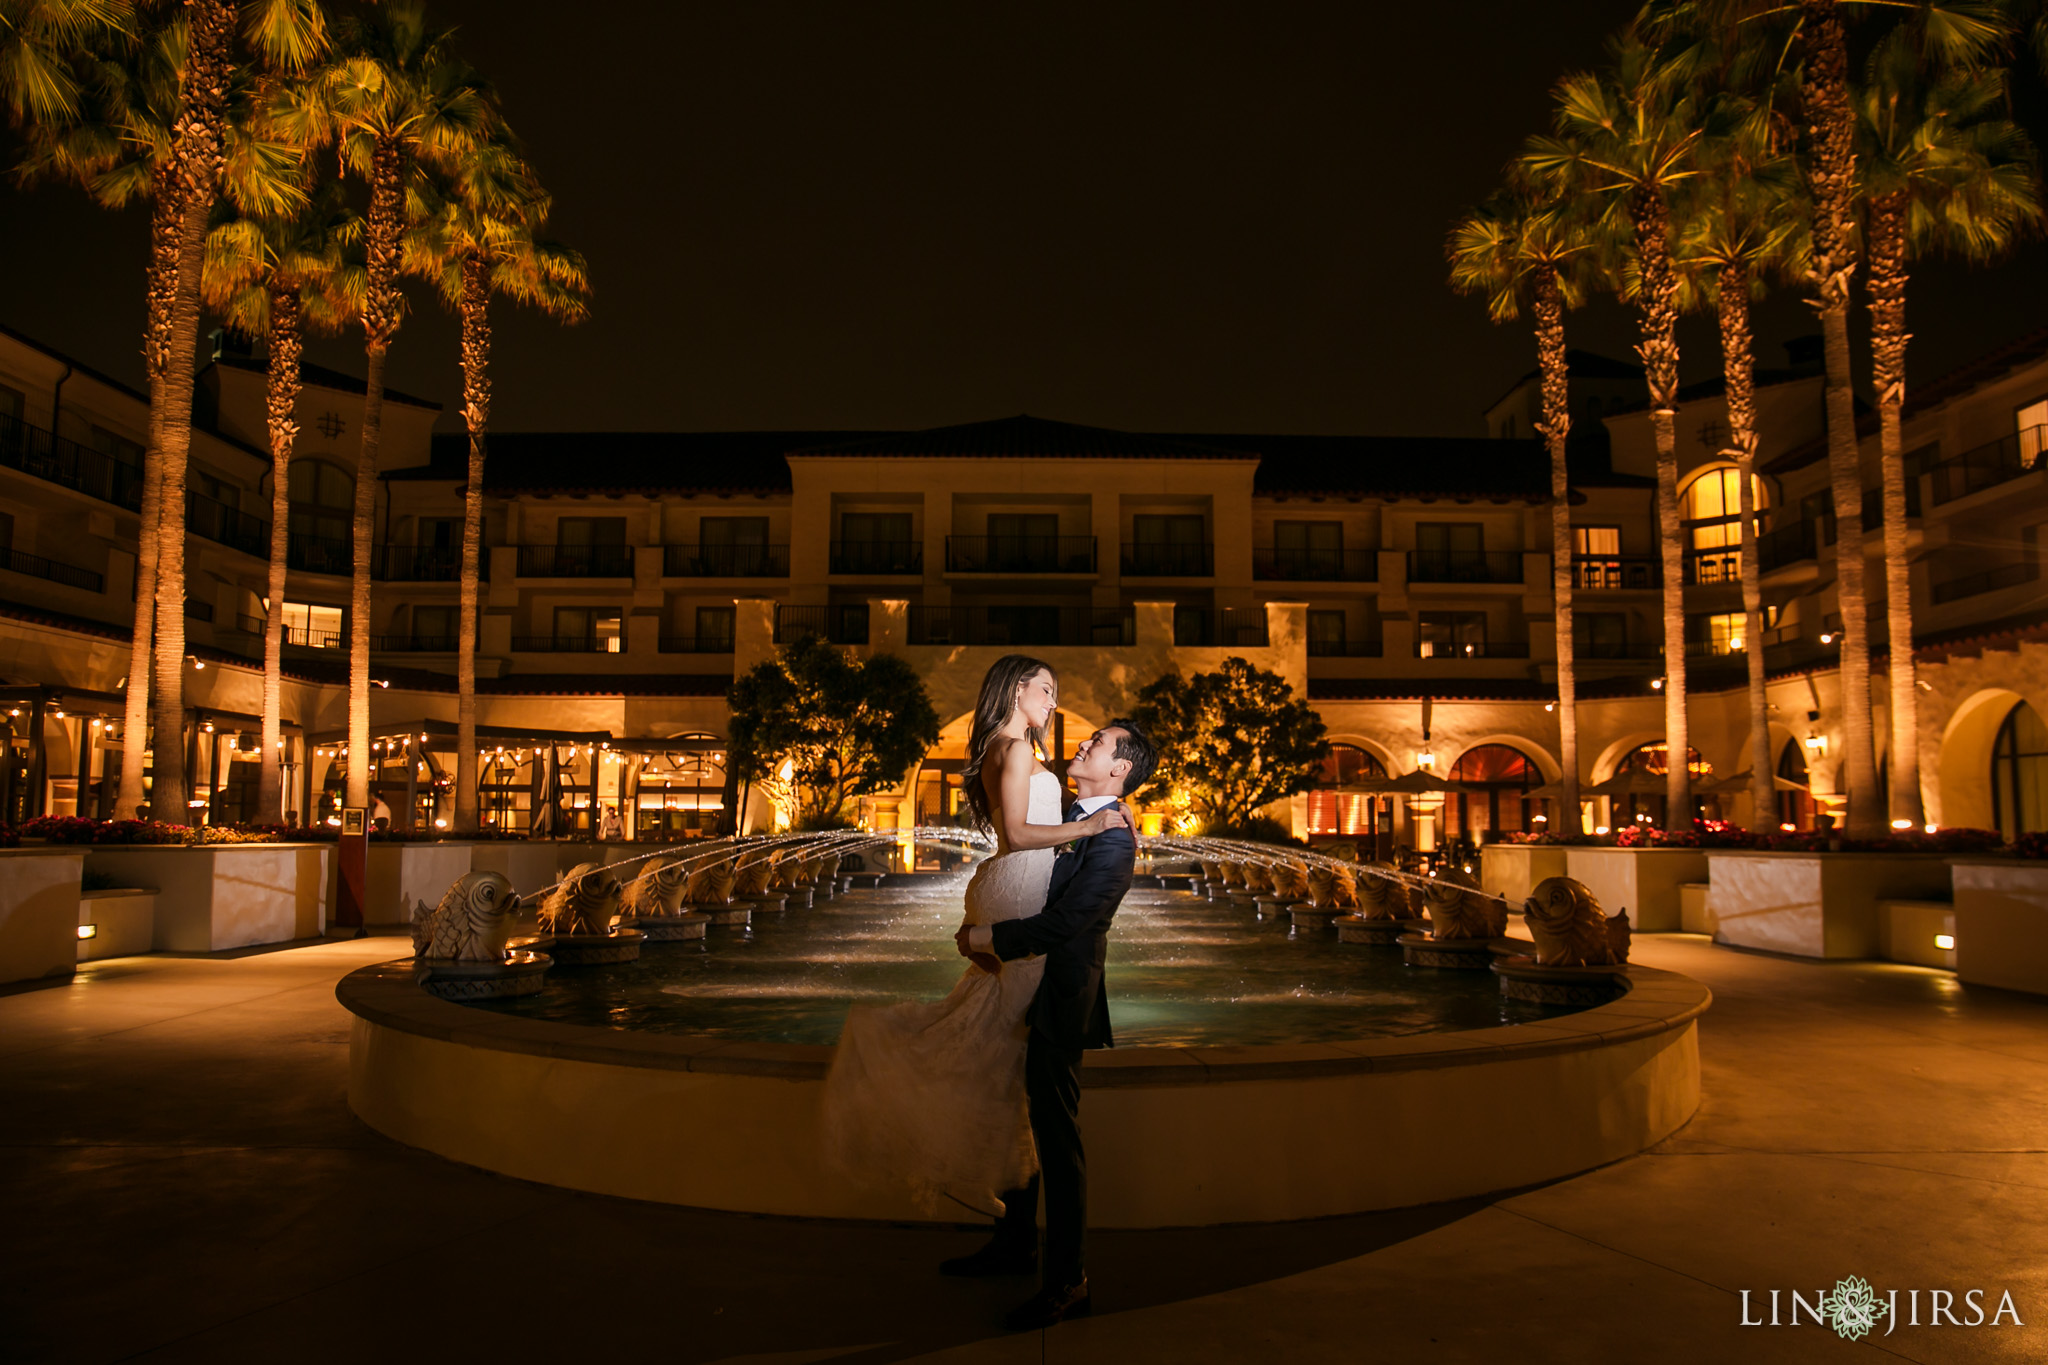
(322, 500)
(436, 625)
(2032, 421)
(1596, 540)
(1326, 632)
(1024, 625)
(1449, 539)
(596, 629)
(2019, 773)
(1175, 545)
(1655, 758)
(6, 532)
(1166, 530)
(12, 403)
(1711, 509)
(715, 629)
(1308, 545)
(749, 531)
(1504, 777)
(1451, 634)
(312, 626)
(116, 446)
(581, 531)
(875, 528)
(440, 533)
(1600, 634)
(1337, 804)
(220, 490)
(1023, 541)
(1725, 632)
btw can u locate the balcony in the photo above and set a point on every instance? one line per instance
(1020, 627)
(1346, 649)
(1168, 561)
(1990, 580)
(50, 571)
(319, 554)
(198, 609)
(568, 644)
(575, 561)
(1471, 649)
(413, 644)
(1789, 544)
(1464, 566)
(430, 563)
(695, 644)
(67, 464)
(1298, 565)
(1988, 465)
(305, 637)
(250, 625)
(1711, 568)
(725, 561)
(845, 624)
(1615, 573)
(1020, 554)
(878, 558)
(1603, 651)
(1228, 628)
(1873, 505)
(223, 525)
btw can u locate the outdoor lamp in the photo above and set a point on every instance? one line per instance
(1425, 759)
(1817, 743)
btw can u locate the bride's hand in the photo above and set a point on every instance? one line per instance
(1108, 818)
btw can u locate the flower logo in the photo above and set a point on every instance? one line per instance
(1852, 1310)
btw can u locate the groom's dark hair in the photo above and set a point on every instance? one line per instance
(1134, 747)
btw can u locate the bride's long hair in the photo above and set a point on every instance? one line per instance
(991, 713)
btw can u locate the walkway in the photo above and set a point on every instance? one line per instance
(183, 1181)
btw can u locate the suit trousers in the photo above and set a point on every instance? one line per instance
(1052, 1084)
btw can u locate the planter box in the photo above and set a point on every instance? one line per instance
(2002, 923)
(1906, 932)
(123, 921)
(1814, 904)
(228, 895)
(1642, 881)
(1693, 915)
(401, 874)
(528, 866)
(39, 911)
(1512, 870)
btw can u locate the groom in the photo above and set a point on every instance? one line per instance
(1069, 1014)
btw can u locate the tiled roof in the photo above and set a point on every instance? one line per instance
(1028, 436)
(1395, 466)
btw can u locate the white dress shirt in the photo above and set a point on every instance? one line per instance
(981, 938)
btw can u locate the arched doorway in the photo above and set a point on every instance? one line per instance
(1506, 776)
(1654, 758)
(1795, 809)
(1339, 805)
(2019, 773)
(1710, 508)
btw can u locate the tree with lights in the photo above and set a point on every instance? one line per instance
(1232, 741)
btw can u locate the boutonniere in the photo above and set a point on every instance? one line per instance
(1062, 850)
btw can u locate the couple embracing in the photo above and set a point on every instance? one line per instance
(974, 1101)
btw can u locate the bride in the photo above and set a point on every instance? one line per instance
(931, 1095)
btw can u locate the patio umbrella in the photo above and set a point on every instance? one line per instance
(547, 795)
(1632, 782)
(1418, 783)
(1739, 782)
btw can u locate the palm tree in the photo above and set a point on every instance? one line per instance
(40, 41)
(1625, 138)
(398, 96)
(1942, 168)
(274, 277)
(1514, 251)
(479, 240)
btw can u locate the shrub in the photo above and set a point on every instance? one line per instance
(1256, 830)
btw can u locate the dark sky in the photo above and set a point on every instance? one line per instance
(1174, 216)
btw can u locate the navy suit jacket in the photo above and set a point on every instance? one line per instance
(1072, 1006)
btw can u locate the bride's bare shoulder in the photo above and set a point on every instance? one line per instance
(1005, 751)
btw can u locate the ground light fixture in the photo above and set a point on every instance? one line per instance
(88, 931)
(1946, 942)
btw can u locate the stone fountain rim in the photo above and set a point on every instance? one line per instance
(1656, 1002)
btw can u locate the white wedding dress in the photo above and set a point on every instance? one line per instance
(929, 1096)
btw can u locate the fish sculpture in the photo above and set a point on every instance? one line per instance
(1233, 873)
(1333, 886)
(583, 903)
(711, 883)
(658, 890)
(1290, 882)
(753, 876)
(1383, 897)
(828, 867)
(472, 922)
(1570, 929)
(1212, 871)
(1258, 876)
(1456, 910)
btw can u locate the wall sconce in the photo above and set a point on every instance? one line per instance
(197, 662)
(88, 931)
(1946, 942)
(1550, 706)
(1902, 824)
(1817, 744)
(1425, 760)
(1657, 684)
(1827, 637)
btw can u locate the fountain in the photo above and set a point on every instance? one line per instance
(1386, 909)
(460, 947)
(577, 916)
(1581, 953)
(1464, 925)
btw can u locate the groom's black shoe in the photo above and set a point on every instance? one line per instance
(997, 1258)
(1049, 1306)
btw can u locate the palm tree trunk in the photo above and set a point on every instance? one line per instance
(197, 134)
(1887, 284)
(281, 401)
(380, 324)
(162, 289)
(1556, 428)
(476, 412)
(1651, 220)
(1831, 173)
(1738, 368)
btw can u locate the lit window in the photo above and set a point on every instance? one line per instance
(2032, 421)
(311, 626)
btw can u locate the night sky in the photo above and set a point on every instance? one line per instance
(1156, 216)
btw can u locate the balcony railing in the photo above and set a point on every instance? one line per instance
(224, 525)
(696, 644)
(1020, 554)
(1990, 580)
(844, 624)
(1603, 650)
(35, 566)
(430, 563)
(1228, 628)
(1345, 649)
(1471, 649)
(1989, 465)
(725, 561)
(575, 561)
(413, 644)
(1716, 566)
(884, 557)
(1788, 544)
(1873, 505)
(1615, 573)
(1464, 566)
(1168, 561)
(1029, 627)
(568, 644)
(64, 462)
(319, 554)
(1297, 565)
(307, 638)
(250, 625)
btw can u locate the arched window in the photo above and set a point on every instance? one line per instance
(1795, 809)
(679, 791)
(1655, 758)
(2019, 773)
(1710, 506)
(1337, 803)
(322, 498)
(1507, 776)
